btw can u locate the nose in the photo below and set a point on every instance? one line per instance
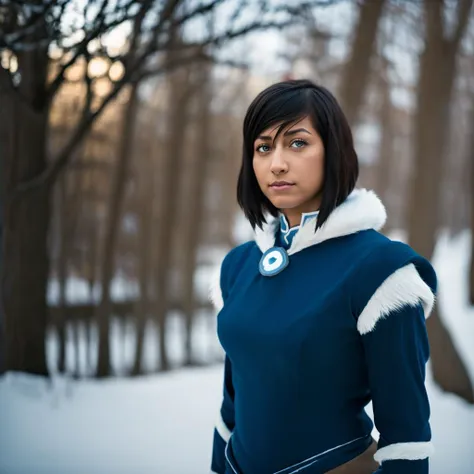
(278, 164)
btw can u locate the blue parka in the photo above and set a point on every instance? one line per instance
(315, 325)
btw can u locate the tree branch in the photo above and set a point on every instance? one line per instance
(13, 40)
(81, 47)
(464, 11)
(47, 177)
(202, 10)
(143, 73)
(135, 71)
(230, 35)
(434, 18)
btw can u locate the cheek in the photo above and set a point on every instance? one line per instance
(313, 172)
(257, 169)
(315, 165)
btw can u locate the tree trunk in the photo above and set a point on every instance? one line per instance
(68, 211)
(4, 139)
(449, 371)
(168, 202)
(471, 164)
(386, 146)
(195, 207)
(25, 264)
(431, 132)
(76, 326)
(91, 279)
(357, 70)
(112, 230)
(437, 74)
(145, 188)
(62, 273)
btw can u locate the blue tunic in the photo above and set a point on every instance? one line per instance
(308, 348)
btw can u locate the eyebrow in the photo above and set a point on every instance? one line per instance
(286, 134)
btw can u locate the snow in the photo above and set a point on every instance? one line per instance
(160, 424)
(163, 423)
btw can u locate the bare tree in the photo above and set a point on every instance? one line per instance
(62, 272)
(436, 79)
(471, 162)
(387, 136)
(192, 228)
(145, 211)
(180, 93)
(112, 230)
(28, 32)
(24, 244)
(357, 69)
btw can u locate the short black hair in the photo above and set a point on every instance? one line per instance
(288, 102)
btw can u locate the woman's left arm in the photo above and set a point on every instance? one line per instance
(393, 330)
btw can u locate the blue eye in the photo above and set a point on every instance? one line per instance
(301, 143)
(259, 148)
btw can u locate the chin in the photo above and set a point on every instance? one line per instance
(285, 202)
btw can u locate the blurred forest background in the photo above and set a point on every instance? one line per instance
(120, 141)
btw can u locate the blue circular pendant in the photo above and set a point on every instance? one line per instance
(273, 261)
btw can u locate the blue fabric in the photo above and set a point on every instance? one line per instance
(227, 415)
(299, 374)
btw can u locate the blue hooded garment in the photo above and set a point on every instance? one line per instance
(310, 345)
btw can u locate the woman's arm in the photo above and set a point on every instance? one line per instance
(225, 422)
(393, 330)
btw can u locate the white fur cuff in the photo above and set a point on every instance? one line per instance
(407, 451)
(222, 429)
(404, 287)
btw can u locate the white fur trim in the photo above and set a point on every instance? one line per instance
(408, 451)
(222, 429)
(361, 210)
(215, 292)
(404, 287)
(265, 237)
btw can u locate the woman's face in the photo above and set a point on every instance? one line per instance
(297, 158)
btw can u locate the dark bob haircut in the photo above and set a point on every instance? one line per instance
(286, 103)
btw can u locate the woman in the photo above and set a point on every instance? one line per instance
(320, 313)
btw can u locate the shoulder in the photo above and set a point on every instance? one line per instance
(238, 253)
(224, 273)
(385, 256)
(388, 276)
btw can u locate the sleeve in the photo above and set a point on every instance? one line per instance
(225, 419)
(394, 336)
(225, 422)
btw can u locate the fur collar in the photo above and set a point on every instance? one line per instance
(362, 210)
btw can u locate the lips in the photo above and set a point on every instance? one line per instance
(281, 184)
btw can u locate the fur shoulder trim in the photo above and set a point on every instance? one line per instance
(404, 287)
(215, 292)
(408, 451)
(362, 210)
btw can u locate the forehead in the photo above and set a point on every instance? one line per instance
(300, 123)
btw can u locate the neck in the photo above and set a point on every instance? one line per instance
(295, 215)
(294, 218)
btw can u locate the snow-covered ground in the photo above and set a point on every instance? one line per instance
(162, 424)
